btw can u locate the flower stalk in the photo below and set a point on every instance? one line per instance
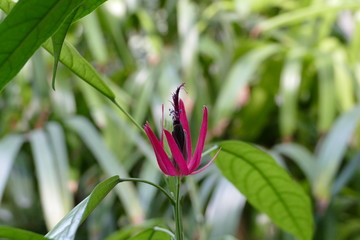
(178, 212)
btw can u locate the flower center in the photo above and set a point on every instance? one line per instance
(178, 132)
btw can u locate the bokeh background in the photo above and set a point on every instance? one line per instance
(284, 75)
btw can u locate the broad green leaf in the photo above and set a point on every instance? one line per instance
(289, 88)
(72, 59)
(67, 227)
(239, 76)
(112, 166)
(19, 234)
(267, 187)
(48, 173)
(331, 150)
(26, 28)
(151, 234)
(9, 147)
(58, 40)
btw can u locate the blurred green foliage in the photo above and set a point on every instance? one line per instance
(284, 75)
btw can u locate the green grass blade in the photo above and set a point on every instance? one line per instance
(267, 187)
(26, 27)
(67, 227)
(19, 234)
(9, 147)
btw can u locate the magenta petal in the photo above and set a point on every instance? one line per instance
(179, 159)
(207, 165)
(163, 160)
(195, 160)
(185, 124)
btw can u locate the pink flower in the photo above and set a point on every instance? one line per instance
(182, 162)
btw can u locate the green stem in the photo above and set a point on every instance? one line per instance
(128, 116)
(172, 200)
(178, 214)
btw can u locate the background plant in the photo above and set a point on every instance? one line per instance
(283, 75)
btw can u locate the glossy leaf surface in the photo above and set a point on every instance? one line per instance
(19, 234)
(67, 227)
(25, 29)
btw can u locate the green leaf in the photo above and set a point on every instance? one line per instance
(72, 59)
(67, 227)
(240, 75)
(87, 7)
(301, 156)
(289, 88)
(346, 174)
(57, 143)
(26, 28)
(303, 14)
(9, 147)
(55, 204)
(95, 143)
(267, 187)
(58, 40)
(151, 234)
(19, 234)
(330, 152)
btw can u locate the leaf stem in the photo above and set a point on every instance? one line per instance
(128, 116)
(172, 200)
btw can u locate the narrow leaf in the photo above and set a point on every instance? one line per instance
(267, 187)
(67, 227)
(289, 88)
(58, 145)
(239, 76)
(47, 172)
(26, 28)
(332, 149)
(87, 7)
(9, 147)
(58, 40)
(303, 14)
(19, 234)
(346, 174)
(301, 156)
